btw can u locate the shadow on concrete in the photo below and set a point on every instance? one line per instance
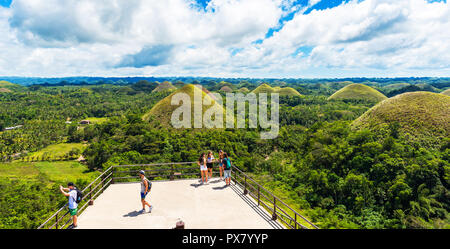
(220, 188)
(196, 185)
(215, 181)
(133, 214)
(258, 209)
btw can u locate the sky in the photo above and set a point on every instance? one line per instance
(225, 38)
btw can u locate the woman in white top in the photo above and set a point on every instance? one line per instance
(203, 169)
(209, 163)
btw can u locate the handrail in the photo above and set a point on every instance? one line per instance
(275, 198)
(85, 196)
(109, 176)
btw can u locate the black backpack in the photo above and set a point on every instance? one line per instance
(79, 196)
(149, 185)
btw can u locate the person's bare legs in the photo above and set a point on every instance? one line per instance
(74, 219)
(204, 176)
(210, 172)
(221, 172)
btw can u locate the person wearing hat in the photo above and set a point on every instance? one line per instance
(73, 205)
(146, 186)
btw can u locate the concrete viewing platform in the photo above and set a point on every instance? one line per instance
(209, 206)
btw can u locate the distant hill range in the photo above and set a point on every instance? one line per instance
(440, 83)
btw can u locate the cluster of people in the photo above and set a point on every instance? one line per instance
(206, 163)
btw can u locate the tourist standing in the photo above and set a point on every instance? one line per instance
(73, 202)
(146, 186)
(227, 168)
(220, 163)
(209, 163)
(203, 169)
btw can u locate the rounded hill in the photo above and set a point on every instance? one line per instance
(165, 86)
(163, 110)
(226, 89)
(419, 116)
(244, 90)
(358, 92)
(446, 92)
(285, 91)
(7, 87)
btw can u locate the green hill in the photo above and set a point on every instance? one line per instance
(4, 83)
(358, 92)
(244, 90)
(286, 91)
(446, 92)
(427, 87)
(165, 86)
(421, 117)
(396, 86)
(163, 110)
(221, 84)
(226, 89)
(7, 87)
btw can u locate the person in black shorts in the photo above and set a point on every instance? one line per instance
(209, 163)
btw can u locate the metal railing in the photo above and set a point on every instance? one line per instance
(61, 218)
(162, 171)
(155, 171)
(280, 211)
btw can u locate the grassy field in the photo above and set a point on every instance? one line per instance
(96, 120)
(58, 150)
(64, 171)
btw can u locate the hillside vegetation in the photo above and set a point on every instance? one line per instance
(358, 92)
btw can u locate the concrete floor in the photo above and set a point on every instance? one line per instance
(200, 206)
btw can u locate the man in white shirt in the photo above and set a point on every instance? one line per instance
(73, 205)
(146, 186)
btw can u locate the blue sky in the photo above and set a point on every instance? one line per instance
(5, 3)
(225, 38)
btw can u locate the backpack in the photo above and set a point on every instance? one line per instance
(79, 196)
(228, 165)
(149, 185)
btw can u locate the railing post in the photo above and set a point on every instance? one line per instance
(245, 185)
(274, 215)
(171, 173)
(91, 202)
(112, 175)
(56, 217)
(295, 220)
(259, 199)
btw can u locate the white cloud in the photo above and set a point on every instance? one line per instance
(174, 37)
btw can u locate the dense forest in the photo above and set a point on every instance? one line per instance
(338, 175)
